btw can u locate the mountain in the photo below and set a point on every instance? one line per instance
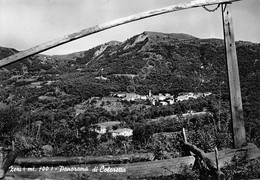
(92, 53)
(172, 62)
(83, 57)
(193, 62)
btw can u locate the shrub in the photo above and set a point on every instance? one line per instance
(242, 168)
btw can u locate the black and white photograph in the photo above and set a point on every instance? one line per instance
(120, 89)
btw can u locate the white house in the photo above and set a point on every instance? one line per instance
(207, 94)
(131, 96)
(170, 101)
(182, 98)
(126, 132)
(101, 78)
(143, 97)
(121, 95)
(103, 127)
(186, 96)
(164, 103)
(161, 97)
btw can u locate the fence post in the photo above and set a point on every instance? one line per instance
(239, 135)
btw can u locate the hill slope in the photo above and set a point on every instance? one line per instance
(164, 62)
(159, 62)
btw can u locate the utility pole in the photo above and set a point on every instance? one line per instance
(239, 135)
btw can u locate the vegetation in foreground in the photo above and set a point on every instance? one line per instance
(191, 65)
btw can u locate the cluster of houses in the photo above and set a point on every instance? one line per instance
(112, 102)
(160, 99)
(186, 96)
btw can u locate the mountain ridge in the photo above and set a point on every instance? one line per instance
(186, 55)
(155, 61)
(150, 34)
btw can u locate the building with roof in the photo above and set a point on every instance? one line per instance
(126, 132)
(104, 127)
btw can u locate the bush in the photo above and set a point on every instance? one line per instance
(242, 168)
(10, 120)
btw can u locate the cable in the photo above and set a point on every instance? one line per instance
(211, 10)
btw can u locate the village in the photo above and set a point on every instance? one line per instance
(160, 99)
(113, 104)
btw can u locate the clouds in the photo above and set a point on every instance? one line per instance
(26, 23)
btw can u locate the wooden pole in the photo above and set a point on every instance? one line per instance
(66, 161)
(102, 27)
(209, 162)
(239, 135)
(186, 152)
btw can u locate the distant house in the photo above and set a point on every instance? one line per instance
(191, 95)
(162, 97)
(131, 76)
(143, 97)
(170, 101)
(191, 111)
(126, 132)
(182, 98)
(121, 95)
(101, 78)
(118, 94)
(186, 96)
(131, 96)
(207, 94)
(163, 103)
(103, 127)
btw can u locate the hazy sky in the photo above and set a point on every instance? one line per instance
(26, 23)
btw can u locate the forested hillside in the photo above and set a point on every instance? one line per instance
(39, 96)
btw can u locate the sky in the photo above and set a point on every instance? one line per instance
(27, 23)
